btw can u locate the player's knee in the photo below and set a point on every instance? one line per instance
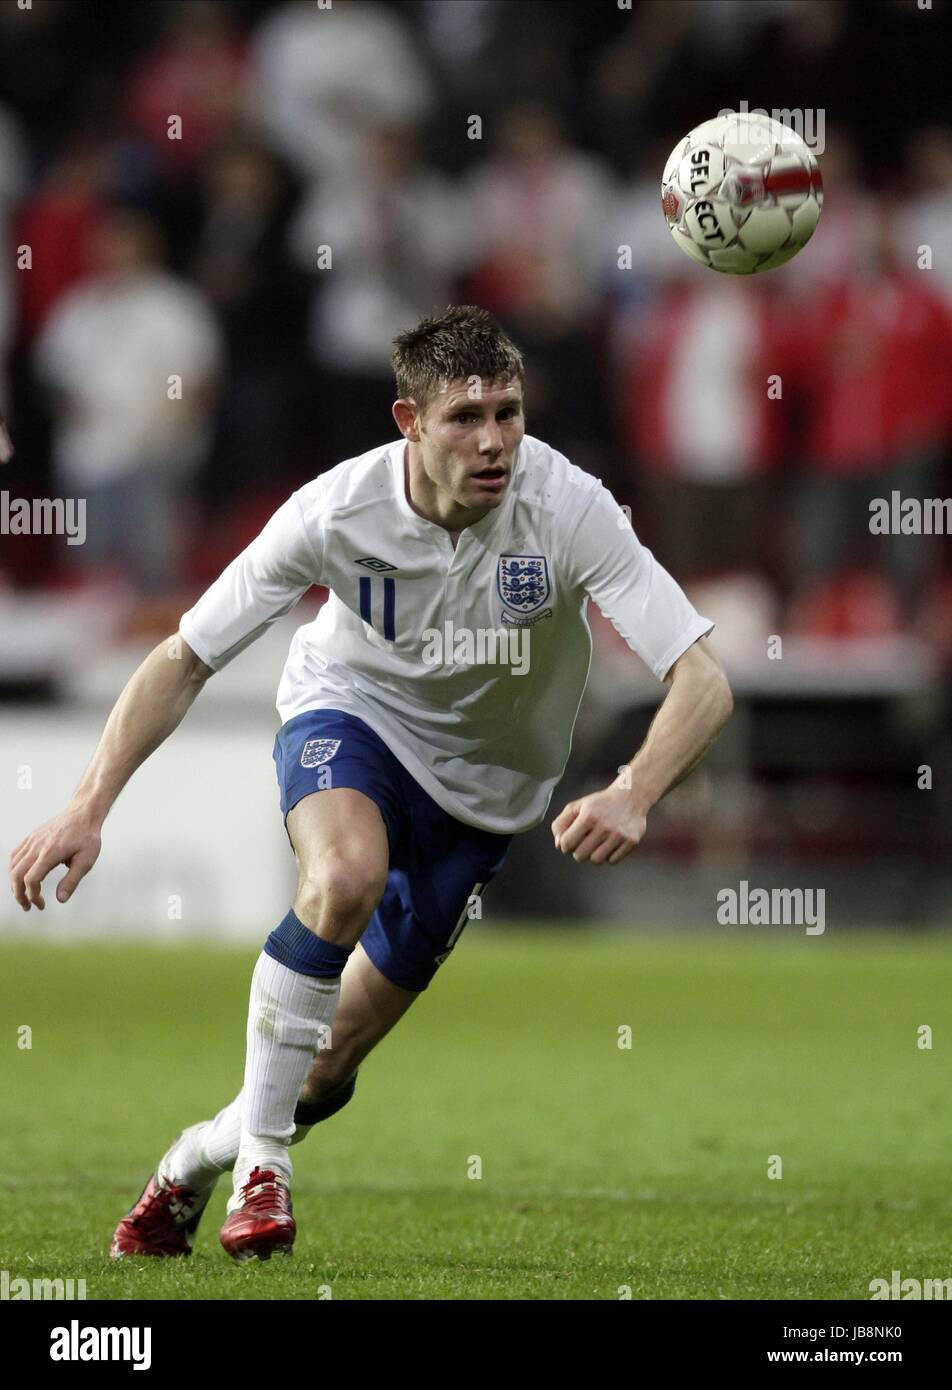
(338, 893)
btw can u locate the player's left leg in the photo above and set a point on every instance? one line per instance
(369, 1007)
(164, 1219)
(341, 829)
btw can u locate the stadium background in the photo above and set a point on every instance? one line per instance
(302, 128)
(606, 1169)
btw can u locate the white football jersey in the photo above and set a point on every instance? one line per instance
(470, 663)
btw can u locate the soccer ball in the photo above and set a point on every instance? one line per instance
(741, 193)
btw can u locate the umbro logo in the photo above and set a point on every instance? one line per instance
(371, 562)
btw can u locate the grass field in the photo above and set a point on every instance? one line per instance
(601, 1167)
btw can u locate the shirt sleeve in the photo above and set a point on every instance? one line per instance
(259, 586)
(638, 596)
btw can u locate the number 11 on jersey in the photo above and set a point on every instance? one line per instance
(389, 605)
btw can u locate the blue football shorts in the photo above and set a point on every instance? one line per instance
(436, 862)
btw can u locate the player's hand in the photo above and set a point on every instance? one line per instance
(601, 829)
(71, 838)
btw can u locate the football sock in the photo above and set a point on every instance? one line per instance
(294, 994)
(223, 1135)
(308, 1113)
(186, 1163)
(209, 1149)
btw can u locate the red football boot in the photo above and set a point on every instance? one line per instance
(262, 1225)
(162, 1222)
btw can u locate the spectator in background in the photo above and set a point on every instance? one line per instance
(875, 375)
(12, 184)
(927, 215)
(131, 359)
(538, 211)
(322, 80)
(195, 72)
(701, 433)
(483, 53)
(58, 222)
(540, 216)
(648, 73)
(646, 259)
(396, 234)
(241, 263)
(49, 56)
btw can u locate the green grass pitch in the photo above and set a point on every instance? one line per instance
(602, 1167)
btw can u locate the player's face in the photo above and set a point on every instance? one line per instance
(467, 445)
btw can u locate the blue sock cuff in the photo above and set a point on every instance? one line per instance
(295, 945)
(312, 1112)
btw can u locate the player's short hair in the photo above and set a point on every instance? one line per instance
(462, 342)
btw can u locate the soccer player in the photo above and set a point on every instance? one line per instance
(427, 714)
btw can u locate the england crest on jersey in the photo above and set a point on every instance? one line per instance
(523, 581)
(318, 750)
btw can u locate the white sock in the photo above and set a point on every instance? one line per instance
(210, 1148)
(287, 1017)
(221, 1136)
(185, 1164)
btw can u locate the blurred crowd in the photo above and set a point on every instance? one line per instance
(217, 214)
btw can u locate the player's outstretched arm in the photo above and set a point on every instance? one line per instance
(605, 827)
(149, 708)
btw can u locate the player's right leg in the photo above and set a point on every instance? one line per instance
(165, 1218)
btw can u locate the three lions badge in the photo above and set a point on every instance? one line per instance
(318, 750)
(523, 582)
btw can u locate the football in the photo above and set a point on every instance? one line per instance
(742, 193)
